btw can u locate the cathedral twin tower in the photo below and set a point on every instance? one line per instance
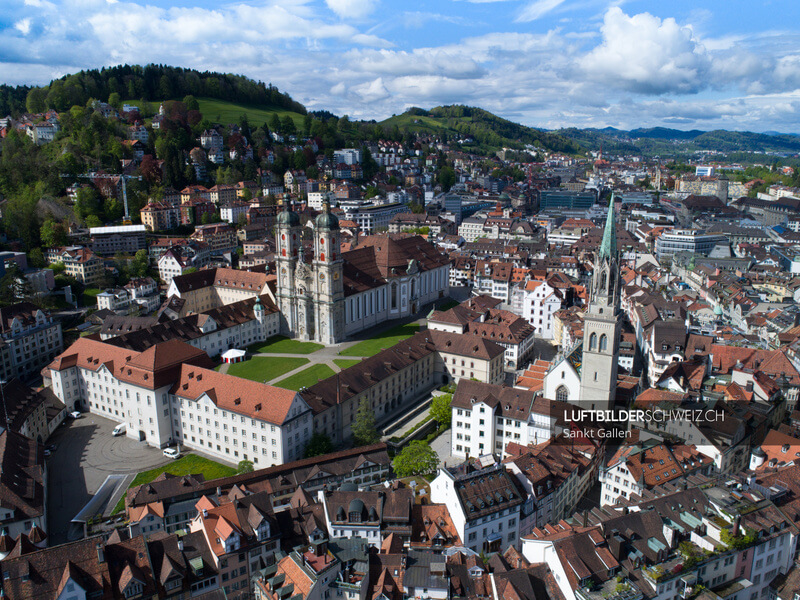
(310, 293)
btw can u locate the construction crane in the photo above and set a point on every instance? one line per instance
(126, 220)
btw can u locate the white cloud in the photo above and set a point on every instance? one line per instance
(645, 54)
(536, 10)
(352, 9)
(23, 26)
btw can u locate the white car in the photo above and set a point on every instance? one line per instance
(172, 453)
(76, 414)
(119, 430)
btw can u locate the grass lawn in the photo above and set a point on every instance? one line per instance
(283, 345)
(220, 111)
(344, 363)
(387, 339)
(89, 297)
(262, 368)
(306, 377)
(185, 465)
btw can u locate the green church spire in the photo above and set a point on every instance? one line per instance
(608, 249)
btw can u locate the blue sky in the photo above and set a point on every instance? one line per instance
(546, 63)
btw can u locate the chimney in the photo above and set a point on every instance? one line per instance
(205, 513)
(101, 555)
(180, 545)
(219, 492)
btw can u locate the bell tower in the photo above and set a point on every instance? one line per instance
(288, 242)
(602, 325)
(328, 265)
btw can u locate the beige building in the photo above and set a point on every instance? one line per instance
(211, 288)
(80, 262)
(396, 378)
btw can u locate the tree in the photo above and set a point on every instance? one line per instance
(115, 100)
(418, 458)
(318, 444)
(53, 234)
(36, 258)
(191, 103)
(440, 410)
(140, 263)
(447, 177)
(245, 466)
(93, 221)
(13, 285)
(287, 125)
(364, 430)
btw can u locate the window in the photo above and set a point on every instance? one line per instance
(592, 341)
(562, 393)
(603, 343)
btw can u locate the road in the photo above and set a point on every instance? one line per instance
(87, 453)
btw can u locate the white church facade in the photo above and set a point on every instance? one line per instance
(329, 295)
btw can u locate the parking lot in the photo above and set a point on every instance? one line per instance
(86, 454)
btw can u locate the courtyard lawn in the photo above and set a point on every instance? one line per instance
(384, 340)
(263, 368)
(284, 345)
(345, 363)
(306, 377)
(89, 297)
(185, 465)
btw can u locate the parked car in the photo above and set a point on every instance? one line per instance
(172, 453)
(119, 429)
(76, 414)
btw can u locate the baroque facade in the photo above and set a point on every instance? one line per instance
(326, 296)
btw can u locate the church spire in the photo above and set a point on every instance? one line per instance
(608, 249)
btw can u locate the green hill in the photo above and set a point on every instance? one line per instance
(486, 129)
(225, 112)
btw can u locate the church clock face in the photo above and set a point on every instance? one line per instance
(322, 276)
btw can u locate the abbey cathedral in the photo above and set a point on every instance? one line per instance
(326, 295)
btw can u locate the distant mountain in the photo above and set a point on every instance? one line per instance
(665, 141)
(663, 133)
(486, 129)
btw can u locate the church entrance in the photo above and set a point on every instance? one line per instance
(414, 308)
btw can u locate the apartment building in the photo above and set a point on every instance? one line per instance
(160, 216)
(483, 504)
(120, 239)
(169, 394)
(220, 237)
(180, 258)
(29, 339)
(81, 263)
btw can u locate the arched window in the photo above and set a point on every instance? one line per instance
(562, 393)
(394, 295)
(603, 343)
(593, 341)
(413, 287)
(603, 276)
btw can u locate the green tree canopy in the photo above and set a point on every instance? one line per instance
(418, 458)
(364, 429)
(318, 444)
(245, 466)
(53, 233)
(140, 263)
(440, 409)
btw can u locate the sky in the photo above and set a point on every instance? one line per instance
(701, 64)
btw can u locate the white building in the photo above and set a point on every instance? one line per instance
(168, 394)
(29, 339)
(484, 506)
(539, 302)
(487, 417)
